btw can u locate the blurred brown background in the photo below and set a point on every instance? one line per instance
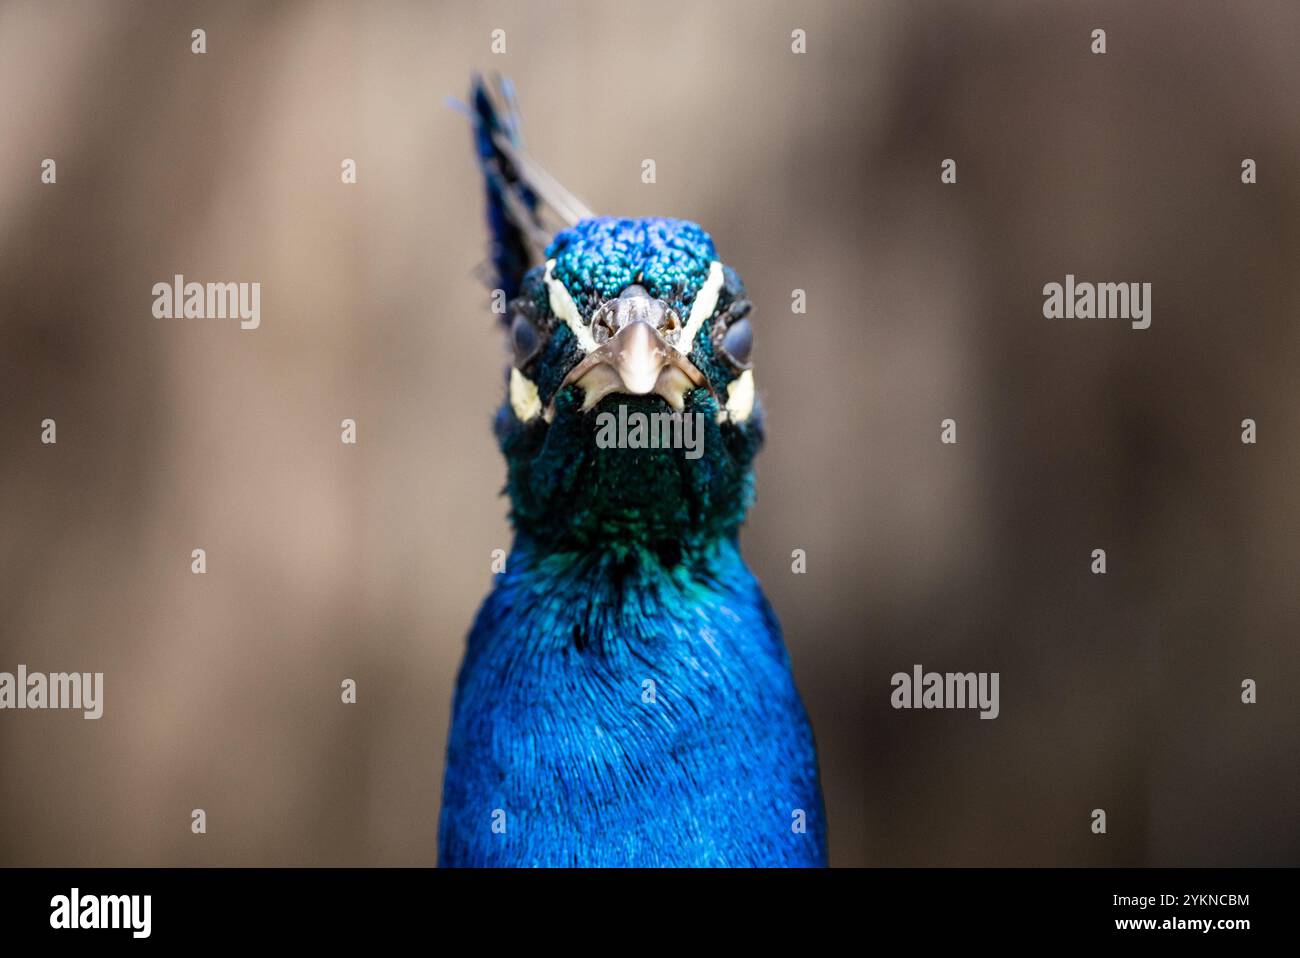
(819, 172)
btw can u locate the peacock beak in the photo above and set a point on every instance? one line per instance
(635, 353)
(635, 361)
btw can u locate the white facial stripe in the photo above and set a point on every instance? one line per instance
(563, 306)
(523, 396)
(706, 301)
(740, 396)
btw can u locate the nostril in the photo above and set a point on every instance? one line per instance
(602, 327)
(634, 305)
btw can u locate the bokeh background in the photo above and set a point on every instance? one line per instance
(817, 171)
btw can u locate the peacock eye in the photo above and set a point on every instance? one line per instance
(738, 343)
(524, 339)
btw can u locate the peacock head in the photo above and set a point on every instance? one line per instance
(631, 419)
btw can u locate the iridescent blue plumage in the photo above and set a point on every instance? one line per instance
(554, 729)
(604, 255)
(626, 697)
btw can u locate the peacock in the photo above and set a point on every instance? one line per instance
(625, 697)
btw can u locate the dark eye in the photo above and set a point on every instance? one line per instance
(738, 343)
(524, 339)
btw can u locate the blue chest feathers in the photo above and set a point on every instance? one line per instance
(614, 711)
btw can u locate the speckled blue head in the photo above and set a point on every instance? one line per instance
(598, 258)
(646, 497)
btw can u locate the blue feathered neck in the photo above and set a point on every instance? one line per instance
(616, 710)
(611, 594)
